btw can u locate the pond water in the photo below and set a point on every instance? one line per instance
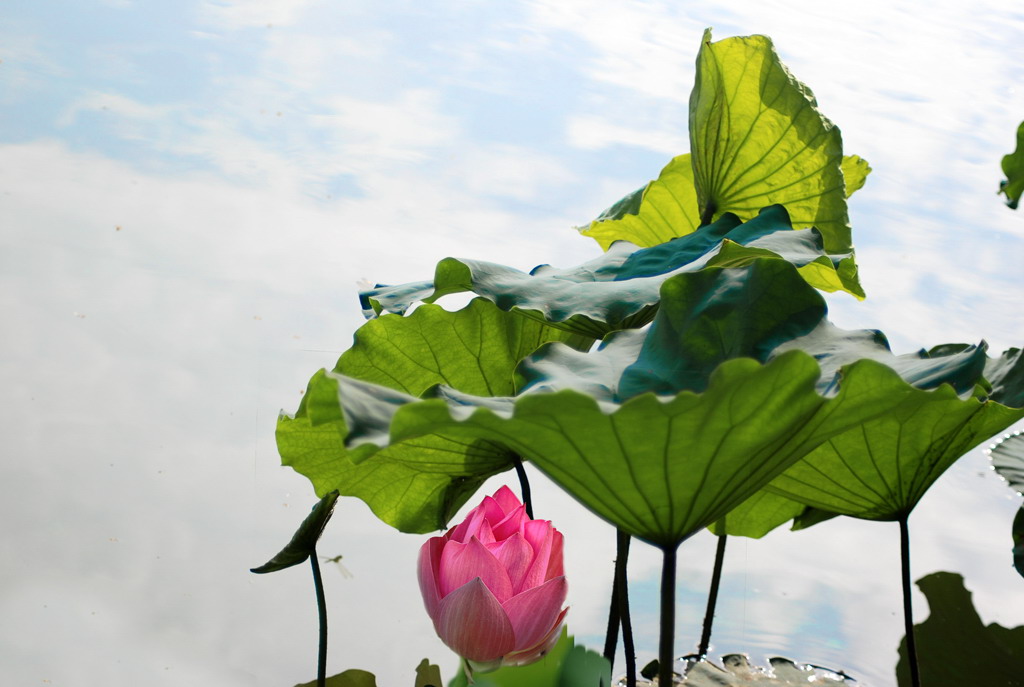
(190, 192)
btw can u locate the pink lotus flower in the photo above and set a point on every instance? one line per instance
(494, 585)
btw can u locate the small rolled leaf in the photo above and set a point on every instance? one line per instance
(303, 542)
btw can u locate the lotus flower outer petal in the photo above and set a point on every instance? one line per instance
(533, 612)
(429, 559)
(535, 653)
(473, 624)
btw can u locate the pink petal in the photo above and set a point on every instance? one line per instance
(555, 567)
(511, 523)
(465, 529)
(472, 623)
(507, 499)
(535, 653)
(429, 559)
(492, 510)
(539, 534)
(515, 556)
(461, 563)
(534, 612)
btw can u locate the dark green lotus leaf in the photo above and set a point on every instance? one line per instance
(1013, 168)
(757, 138)
(619, 290)
(1005, 376)
(881, 469)
(713, 315)
(303, 542)
(416, 487)
(658, 468)
(1007, 456)
(954, 646)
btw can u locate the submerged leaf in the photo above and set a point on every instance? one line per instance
(1017, 533)
(1013, 167)
(350, 678)
(1008, 460)
(954, 647)
(303, 542)
(428, 675)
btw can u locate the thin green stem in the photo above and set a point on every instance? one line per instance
(524, 485)
(321, 607)
(709, 614)
(908, 611)
(611, 635)
(668, 617)
(622, 588)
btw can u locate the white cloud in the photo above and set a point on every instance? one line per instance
(243, 14)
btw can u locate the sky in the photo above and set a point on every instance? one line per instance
(191, 192)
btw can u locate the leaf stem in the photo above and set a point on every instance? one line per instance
(622, 540)
(708, 215)
(668, 617)
(908, 611)
(611, 636)
(524, 485)
(321, 607)
(716, 579)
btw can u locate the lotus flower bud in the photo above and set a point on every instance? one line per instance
(494, 585)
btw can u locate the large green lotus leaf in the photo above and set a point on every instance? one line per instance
(667, 208)
(713, 315)
(757, 138)
(658, 468)
(882, 468)
(619, 290)
(475, 349)
(416, 487)
(855, 173)
(419, 486)
(1013, 168)
(758, 515)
